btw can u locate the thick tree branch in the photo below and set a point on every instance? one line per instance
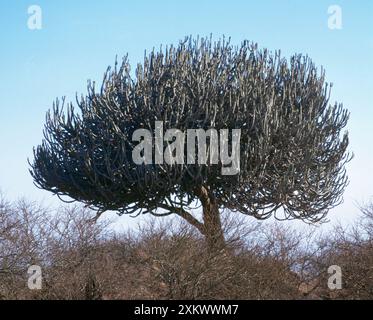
(185, 215)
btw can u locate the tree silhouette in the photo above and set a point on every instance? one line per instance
(292, 150)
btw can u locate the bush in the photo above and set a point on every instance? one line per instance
(83, 259)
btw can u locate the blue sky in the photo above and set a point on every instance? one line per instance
(80, 38)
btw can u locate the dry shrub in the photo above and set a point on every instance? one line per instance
(81, 259)
(352, 250)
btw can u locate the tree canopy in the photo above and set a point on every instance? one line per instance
(292, 144)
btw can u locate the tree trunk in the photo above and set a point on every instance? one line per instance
(212, 228)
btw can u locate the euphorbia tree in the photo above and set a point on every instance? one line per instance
(292, 149)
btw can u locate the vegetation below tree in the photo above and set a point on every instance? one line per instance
(83, 259)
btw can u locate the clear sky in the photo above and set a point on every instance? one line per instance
(80, 38)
